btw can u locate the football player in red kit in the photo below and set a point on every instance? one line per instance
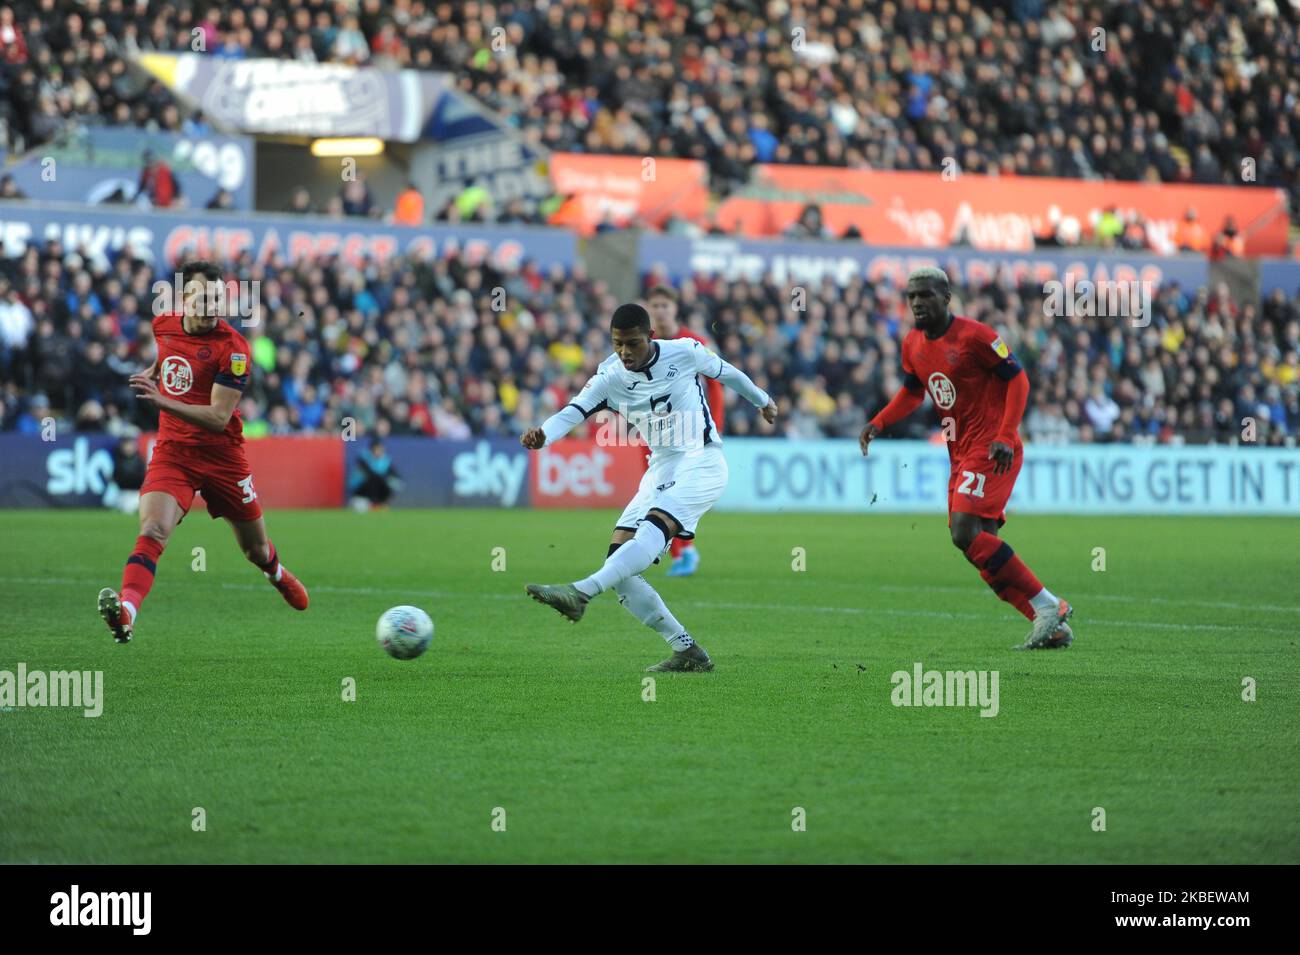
(196, 381)
(662, 302)
(973, 378)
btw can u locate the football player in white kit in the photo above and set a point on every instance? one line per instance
(653, 385)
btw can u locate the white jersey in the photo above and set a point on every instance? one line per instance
(664, 400)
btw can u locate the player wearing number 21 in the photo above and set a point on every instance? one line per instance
(198, 376)
(974, 380)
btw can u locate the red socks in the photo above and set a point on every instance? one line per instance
(1011, 595)
(1003, 571)
(138, 575)
(676, 546)
(272, 565)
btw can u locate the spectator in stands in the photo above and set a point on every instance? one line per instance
(221, 201)
(12, 43)
(356, 197)
(9, 189)
(809, 225)
(123, 491)
(350, 44)
(1191, 234)
(157, 182)
(16, 326)
(409, 209)
(1109, 227)
(374, 479)
(1228, 243)
(32, 420)
(301, 203)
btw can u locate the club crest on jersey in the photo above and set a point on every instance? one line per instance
(942, 390)
(238, 364)
(672, 371)
(1000, 348)
(205, 353)
(176, 375)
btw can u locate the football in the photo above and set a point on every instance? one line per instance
(404, 632)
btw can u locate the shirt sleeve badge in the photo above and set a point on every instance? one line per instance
(239, 364)
(1000, 348)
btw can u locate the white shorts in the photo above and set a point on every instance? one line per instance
(683, 486)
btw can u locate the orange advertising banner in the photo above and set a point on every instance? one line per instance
(622, 189)
(990, 212)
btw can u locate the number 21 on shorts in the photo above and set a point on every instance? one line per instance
(968, 478)
(249, 494)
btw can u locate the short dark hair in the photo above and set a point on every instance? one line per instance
(630, 316)
(661, 291)
(201, 268)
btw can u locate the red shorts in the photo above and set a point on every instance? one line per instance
(220, 472)
(973, 488)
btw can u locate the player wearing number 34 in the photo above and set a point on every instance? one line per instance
(200, 372)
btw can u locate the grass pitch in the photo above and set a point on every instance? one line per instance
(229, 701)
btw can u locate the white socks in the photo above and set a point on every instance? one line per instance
(643, 602)
(1045, 601)
(631, 558)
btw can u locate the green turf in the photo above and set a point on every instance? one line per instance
(229, 701)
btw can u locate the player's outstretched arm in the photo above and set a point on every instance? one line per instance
(900, 406)
(587, 402)
(711, 365)
(211, 417)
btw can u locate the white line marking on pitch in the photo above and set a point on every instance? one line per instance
(715, 605)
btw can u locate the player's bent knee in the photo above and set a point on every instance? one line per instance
(667, 524)
(963, 535)
(155, 529)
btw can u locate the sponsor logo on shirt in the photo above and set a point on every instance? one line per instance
(942, 390)
(177, 376)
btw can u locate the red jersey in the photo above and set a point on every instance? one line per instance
(965, 370)
(188, 366)
(712, 387)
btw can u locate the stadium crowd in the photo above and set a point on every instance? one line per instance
(1164, 90)
(417, 347)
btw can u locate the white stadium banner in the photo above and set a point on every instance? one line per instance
(902, 476)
